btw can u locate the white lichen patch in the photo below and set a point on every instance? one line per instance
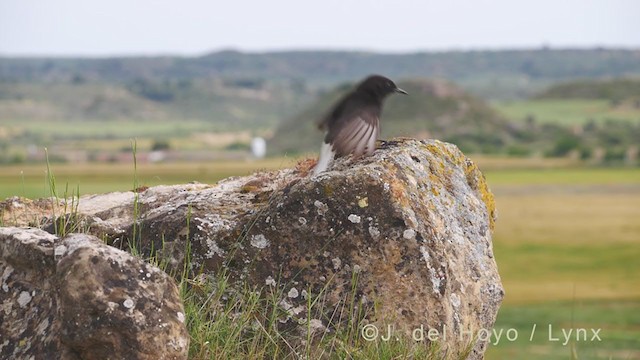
(425, 255)
(297, 310)
(285, 304)
(24, 298)
(354, 218)
(259, 241)
(322, 207)
(213, 249)
(270, 281)
(8, 270)
(128, 303)
(111, 306)
(435, 280)
(337, 263)
(409, 234)
(374, 232)
(302, 221)
(293, 293)
(213, 223)
(180, 316)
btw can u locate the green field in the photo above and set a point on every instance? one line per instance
(568, 112)
(567, 243)
(31, 180)
(103, 129)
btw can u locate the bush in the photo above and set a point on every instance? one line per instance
(518, 150)
(160, 144)
(238, 146)
(564, 144)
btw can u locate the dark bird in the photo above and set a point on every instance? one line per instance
(353, 125)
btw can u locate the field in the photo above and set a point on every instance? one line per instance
(568, 112)
(567, 243)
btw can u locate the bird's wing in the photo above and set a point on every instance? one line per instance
(355, 133)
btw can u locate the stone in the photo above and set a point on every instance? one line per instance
(407, 229)
(77, 298)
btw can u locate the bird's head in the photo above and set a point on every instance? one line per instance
(379, 86)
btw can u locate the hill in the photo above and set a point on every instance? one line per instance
(494, 74)
(598, 118)
(580, 102)
(434, 109)
(614, 90)
(223, 104)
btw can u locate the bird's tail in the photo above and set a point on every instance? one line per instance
(326, 158)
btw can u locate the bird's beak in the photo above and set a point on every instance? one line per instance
(400, 91)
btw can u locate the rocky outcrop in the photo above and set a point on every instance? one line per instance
(405, 232)
(77, 298)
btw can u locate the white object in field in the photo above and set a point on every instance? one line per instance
(326, 158)
(258, 147)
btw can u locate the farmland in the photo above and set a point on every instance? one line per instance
(568, 111)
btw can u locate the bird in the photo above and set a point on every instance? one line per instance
(353, 124)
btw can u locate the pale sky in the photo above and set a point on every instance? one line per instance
(193, 27)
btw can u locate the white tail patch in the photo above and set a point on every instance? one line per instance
(326, 158)
(371, 141)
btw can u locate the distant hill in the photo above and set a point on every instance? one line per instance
(167, 97)
(493, 74)
(223, 104)
(610, 89)
(434, 109)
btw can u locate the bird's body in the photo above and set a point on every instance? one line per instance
(353, 125)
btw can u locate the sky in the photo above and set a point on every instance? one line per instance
(190, 27)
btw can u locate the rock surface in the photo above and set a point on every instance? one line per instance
(407, 230)
(77, 298)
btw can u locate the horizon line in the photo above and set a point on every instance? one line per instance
(239, 50)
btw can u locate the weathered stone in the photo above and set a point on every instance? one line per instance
(27, 316)
(412, 223)
(77, 298)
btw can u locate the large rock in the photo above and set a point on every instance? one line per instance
(77, 298)
(407, 229)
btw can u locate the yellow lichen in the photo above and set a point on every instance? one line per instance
(474, 176)
(478, 182)
(440, 150)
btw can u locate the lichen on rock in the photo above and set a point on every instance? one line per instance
(407, 229)
(77, 298)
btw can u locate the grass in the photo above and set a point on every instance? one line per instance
(30, 180)
(617, 321)
(567, 112)
(570, 177)
(106, 129)
(247, 323)
(567, 244)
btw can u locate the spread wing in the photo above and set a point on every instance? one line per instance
(355, 133)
